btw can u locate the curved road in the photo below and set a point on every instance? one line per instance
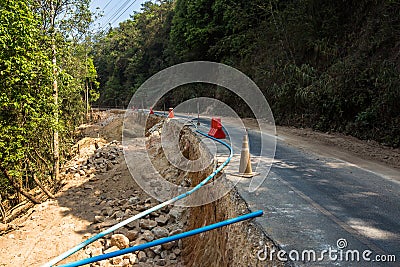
(313, 202)
(346, 215)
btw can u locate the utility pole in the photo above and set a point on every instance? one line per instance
(198, 113)
(89, 106)
(87, 98)
(87, 81)
(56, 152)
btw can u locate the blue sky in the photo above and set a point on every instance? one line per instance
(114, 11)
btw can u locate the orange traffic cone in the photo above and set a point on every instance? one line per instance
(245, 169)
(245, 165)
(171, 113)
(151, 111)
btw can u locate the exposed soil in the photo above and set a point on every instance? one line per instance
(99, 192)
(233, 245)
(56, 225)
(108, 125)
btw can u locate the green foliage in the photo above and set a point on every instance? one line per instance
(25, 72)
(329, 65)
(193, 30)
(27, 108)
(126, 56)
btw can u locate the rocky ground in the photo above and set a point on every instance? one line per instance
(114, 208)
(99, 193)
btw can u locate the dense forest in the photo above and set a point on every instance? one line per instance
(329, 65)
(47, 79)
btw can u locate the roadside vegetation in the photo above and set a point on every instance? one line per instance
(47, 79)
(327, 65)
(333, 66)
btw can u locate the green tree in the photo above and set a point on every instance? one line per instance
(62, 20)
(25, 109)
(129, 54)
(330, 65)
(65, 26)
(194, 29)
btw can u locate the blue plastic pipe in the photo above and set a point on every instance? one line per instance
(164, 240)
(146, 212)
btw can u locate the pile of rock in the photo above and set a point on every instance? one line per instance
(111, 210)
(114, 209)
(101, 161)
(159, 224)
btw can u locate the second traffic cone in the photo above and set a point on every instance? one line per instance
(245, 164)
(171, 113)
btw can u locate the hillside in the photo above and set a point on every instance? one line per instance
(331, 66)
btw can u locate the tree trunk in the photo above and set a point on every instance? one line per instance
(90, 107)
(17, 187)
(47, 192)
(56, 152)
(2, 210)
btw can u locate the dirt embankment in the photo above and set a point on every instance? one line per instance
(107, 125)
(368, 150)
(234, 245)
(100, 192)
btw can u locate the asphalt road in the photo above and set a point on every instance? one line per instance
(323, 205)
(311, 202)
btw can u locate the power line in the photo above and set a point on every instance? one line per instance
(115, 14)
(103, 10)
(107, 5)
(124, 11)
(92, 4)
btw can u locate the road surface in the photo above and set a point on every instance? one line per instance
(313, 202)
(346, 215)
(323, 205)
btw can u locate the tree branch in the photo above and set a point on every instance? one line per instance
(47, 192)
(17, 186)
